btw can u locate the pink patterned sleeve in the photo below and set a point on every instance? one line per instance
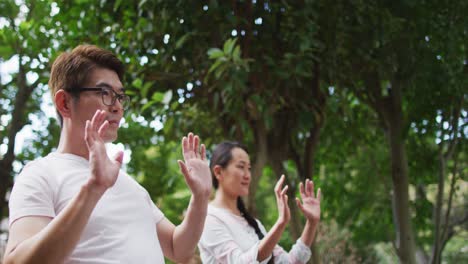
(299, 254)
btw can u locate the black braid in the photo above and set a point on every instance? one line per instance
(252, 222)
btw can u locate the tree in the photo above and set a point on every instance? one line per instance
(24, 38)
(385, 72)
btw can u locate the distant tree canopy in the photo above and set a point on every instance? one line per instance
(366, 99)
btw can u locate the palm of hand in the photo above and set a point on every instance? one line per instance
(104, 172)
(200, 175)
(195, 169)
(283, 209)
(311, 208)
(310, 205)
(282, 200)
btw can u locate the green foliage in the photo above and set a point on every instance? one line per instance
(456, 249)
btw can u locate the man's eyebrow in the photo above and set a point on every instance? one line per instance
(101, 84)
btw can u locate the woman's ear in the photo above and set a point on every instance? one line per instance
(62, 103)
(217, 170)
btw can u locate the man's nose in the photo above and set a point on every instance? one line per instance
(116, 106)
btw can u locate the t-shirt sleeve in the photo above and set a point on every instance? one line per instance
(158, 215)
(32, 194)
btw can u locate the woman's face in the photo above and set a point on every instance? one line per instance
(234, 180)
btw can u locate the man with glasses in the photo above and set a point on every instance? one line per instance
(75, 205)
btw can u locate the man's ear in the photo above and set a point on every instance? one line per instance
(63, 102)
(217, 170)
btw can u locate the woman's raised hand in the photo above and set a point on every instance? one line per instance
(310, 205)
(282, 201)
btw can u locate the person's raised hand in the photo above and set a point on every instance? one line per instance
(310, 205)
(284, 214)
(195, 166)
(104, 171)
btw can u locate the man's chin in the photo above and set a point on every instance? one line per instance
(110, 137)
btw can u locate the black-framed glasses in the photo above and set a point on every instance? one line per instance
(108, 95)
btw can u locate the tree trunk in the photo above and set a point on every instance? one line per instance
(16, 124)
(261, 156)
(5, 184)
(405, 243)
(436, 252)
(444, 157)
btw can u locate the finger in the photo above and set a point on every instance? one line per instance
(102, 118)
(307, 187)
(87, 136)
(196, 142)
(99, 120)
(312, 192)
(184, 169)
(279, 184)
(301, 190)
(118, 157)
(93, 120)
(299, 204)
(203, 152)
(190, 141)
(285, 189)
(184, 145)
(102, 130)
(319, 194)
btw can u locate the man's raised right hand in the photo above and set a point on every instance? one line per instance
(104, 172)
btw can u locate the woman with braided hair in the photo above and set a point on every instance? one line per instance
(232, 235)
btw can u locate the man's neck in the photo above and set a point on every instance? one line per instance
(73, 144)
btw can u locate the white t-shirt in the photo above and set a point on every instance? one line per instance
(228, 238)
(122, 226)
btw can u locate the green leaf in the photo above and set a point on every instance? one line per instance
(180, 42)
(214, 53)
(157, 97)
(117, 5)
(220, 70)
(168, 125)
(147, 105)
(229, 45)
(6, 52)
(215, 66)
(146, 87)
(142, 3)
(174, 105)
(8, 8)
(137, 83)
(236, 55)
